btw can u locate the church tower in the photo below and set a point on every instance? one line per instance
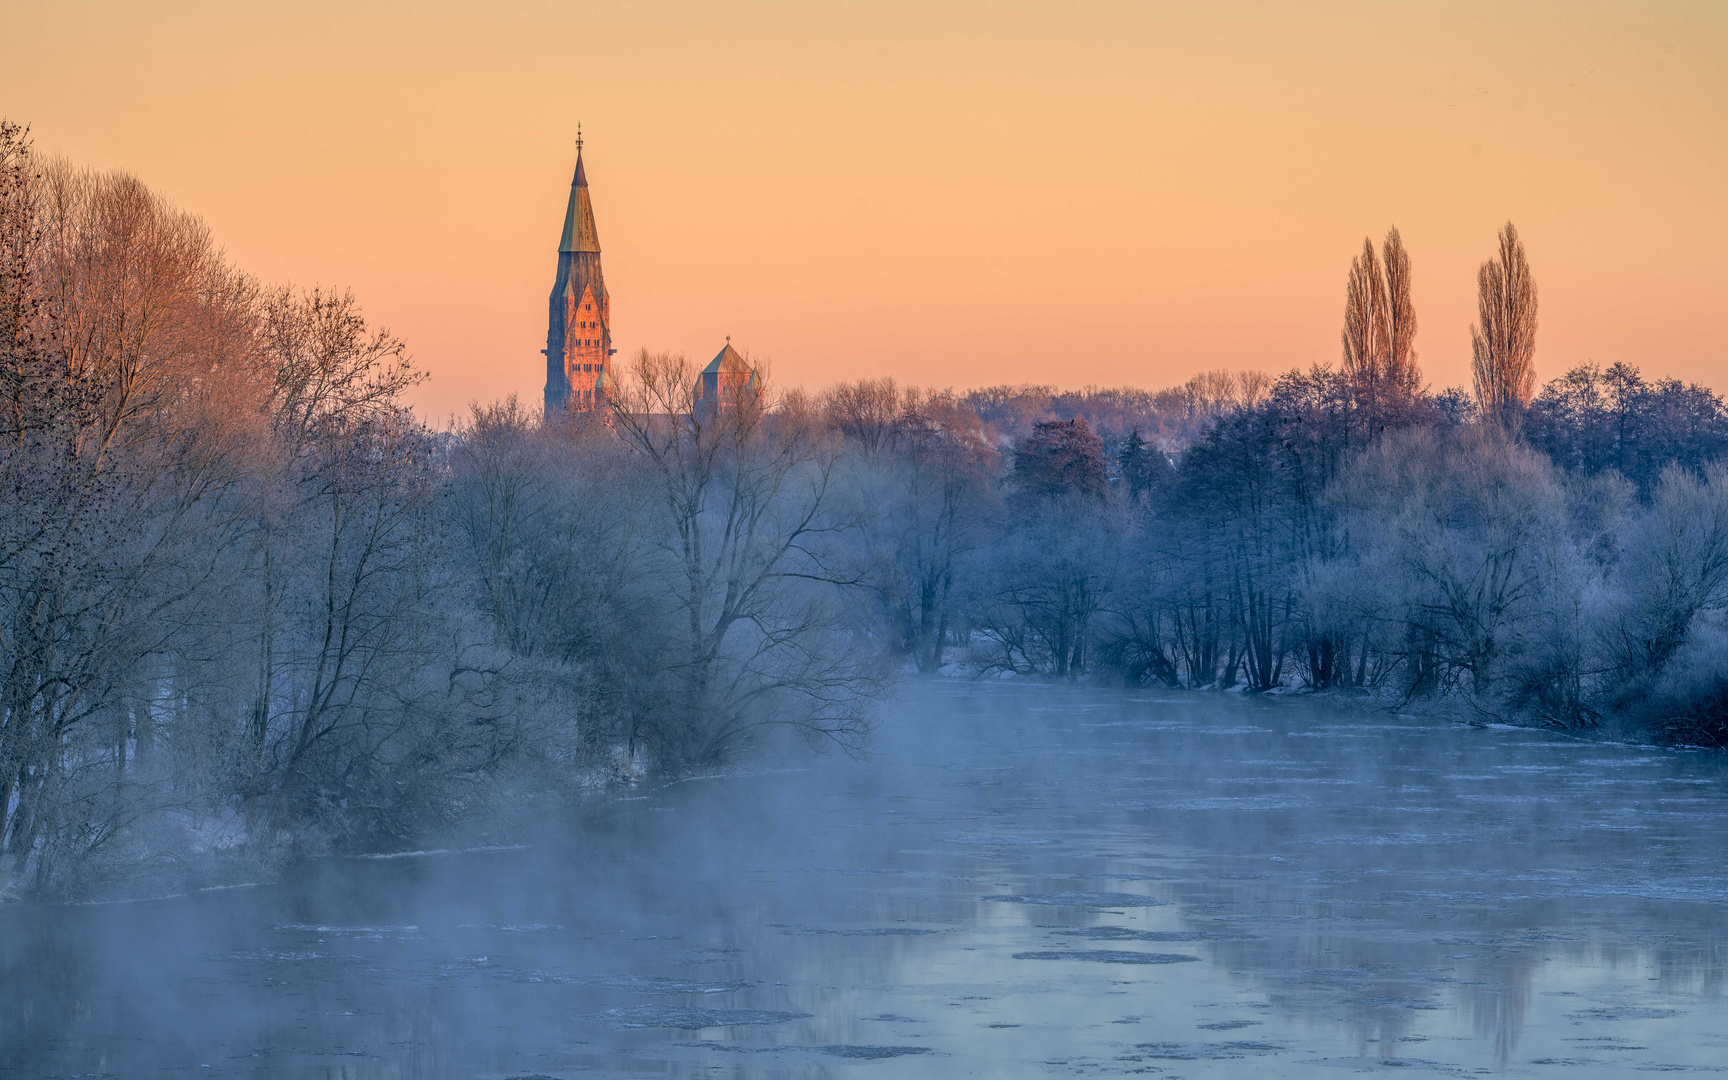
(579, 325)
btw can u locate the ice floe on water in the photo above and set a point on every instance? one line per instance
(999, 841)
(635, 984)
(1218, 1051)
(516, 928)
(1624, 1012)
(1080, 899)
(848, 1050)
(433, 853)
(692, 1019)
(1249, 803)
(1228, 1025)
(1106, 956)
(374, 932)
(1124, 933)
(860, 931)
(287, 956)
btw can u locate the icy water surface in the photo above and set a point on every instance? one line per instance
(1020, 881)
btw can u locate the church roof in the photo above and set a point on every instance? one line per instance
(727, 360)
(579, 232)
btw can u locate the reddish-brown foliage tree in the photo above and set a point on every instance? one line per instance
(1061, 457)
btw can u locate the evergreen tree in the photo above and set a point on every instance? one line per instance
(1143, 467)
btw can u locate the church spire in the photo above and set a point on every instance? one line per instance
(579, 316)
(579, 232)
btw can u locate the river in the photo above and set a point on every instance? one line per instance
(1015, 881)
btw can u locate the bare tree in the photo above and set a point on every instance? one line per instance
(134, 394)
(326, 362)
(363, 580)
(1452, 534)
(1379, 362)
(921, 481)
(329, 375)
(1043, 586)
(1403, 377)
(37, 394)
(1503, 343)
(866, 412)
(744, 535)
(1675, 571)
(1367, 334)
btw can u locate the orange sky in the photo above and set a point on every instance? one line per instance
(948, 193)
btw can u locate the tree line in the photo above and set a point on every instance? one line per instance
(1555, 556)
(251, 608)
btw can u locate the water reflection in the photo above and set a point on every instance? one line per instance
(1021, 881)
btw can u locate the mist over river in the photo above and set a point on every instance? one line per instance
(1016, 880)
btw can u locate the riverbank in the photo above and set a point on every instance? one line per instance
(216, 854)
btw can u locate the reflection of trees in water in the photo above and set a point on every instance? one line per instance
(1319, 976)
(1376, 985)
(1496, 1001)
(44, 977)
(1693, 967)
(1439, 873)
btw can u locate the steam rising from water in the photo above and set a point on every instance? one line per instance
(1019, 880)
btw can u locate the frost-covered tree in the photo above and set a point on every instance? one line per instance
(745, 535)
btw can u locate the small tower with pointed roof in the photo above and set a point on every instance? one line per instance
(727, 377)
(579, 324)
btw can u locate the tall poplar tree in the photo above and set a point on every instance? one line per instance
(1503, 343)
(1379, 362)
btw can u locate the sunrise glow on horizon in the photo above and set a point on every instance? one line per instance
(951, 194)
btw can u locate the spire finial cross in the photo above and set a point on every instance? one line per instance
(578, 138)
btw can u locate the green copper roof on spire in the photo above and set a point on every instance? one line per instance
(579, 232)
